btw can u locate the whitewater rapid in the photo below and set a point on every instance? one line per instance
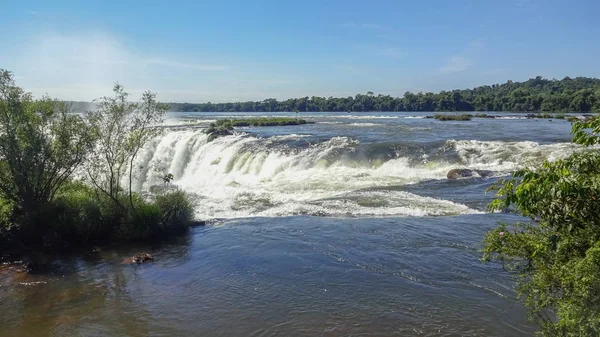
(243, 175)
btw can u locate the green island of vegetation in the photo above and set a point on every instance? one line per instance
(580, 94)
(463, 117)
(225, 126)
(66, 179)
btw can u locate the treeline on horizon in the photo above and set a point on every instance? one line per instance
(580, 94)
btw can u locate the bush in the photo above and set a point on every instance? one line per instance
(141, 222)
(6, 213)
(80, 214)
(224, 127)
(229, 124)
(463, 117)
(555, 256)
(169, 213)
(42, 145)
(177, 211)
(6, 222)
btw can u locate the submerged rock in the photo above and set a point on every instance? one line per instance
(215, 133)
(15, 266)
(140, 258)
(467, 173)
(164, 188)
(35, 264)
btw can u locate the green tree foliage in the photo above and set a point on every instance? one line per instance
(579, 94)
(41, 145)
(123, 128)
(556, 255)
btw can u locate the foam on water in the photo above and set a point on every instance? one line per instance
(369, 117)
(242, 175)
(508, 156)
(511, 117)
(365, 124)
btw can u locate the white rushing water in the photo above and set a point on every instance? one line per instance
(242, 175)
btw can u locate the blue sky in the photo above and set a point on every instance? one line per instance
(200, 51)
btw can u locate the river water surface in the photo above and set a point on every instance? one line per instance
(344, 227)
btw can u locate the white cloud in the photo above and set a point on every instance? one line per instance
(465, 58)
(393, 52)
(85, 66)
(496, 71)
(475, 45)
(364, 25)
(175, 64)
(455, 64)
(371, 26)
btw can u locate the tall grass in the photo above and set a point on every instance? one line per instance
(81, 215)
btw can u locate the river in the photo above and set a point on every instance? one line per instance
(344, 227)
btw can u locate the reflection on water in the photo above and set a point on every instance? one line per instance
(291, 275)
(301, 276)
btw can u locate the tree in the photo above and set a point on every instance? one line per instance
(537, 94)
(555, 256)
(123, 128)
(41, 146)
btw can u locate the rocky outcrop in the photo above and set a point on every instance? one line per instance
(216, 133)
(468, 173)
(163, 188)
(140, 258)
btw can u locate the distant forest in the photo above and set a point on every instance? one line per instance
(579, 94)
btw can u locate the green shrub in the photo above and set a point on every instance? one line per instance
(229, 124)
(220, 128)
(141, 222)
(81, 214)
(169, 213)
(463, 117)
(224, 127)
(555, 256)
(6, 222)
(177, 211)
(6, 212)
(560, 116)
(79, 211)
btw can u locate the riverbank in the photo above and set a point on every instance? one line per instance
(79, 218)
(468, 117)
